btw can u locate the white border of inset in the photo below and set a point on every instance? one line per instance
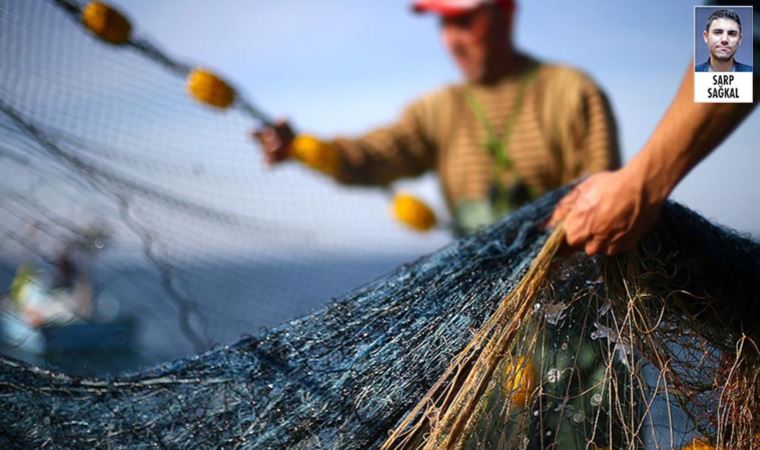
(723, 87)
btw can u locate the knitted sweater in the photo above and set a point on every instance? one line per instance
(564, 130)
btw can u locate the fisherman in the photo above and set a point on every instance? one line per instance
(66, 272)
(610, 211)
(62, 298)
(513, 129)
(71, 284)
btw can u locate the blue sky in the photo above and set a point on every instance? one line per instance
(337, 67)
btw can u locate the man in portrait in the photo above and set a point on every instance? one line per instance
(723, 37)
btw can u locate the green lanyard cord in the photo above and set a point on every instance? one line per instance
(497, 146)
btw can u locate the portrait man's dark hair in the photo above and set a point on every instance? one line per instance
(723, 14)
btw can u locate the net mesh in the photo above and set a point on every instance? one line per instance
(492, 342)
(103, 149)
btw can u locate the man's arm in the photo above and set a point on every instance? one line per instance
(610, 211)
(404, 148)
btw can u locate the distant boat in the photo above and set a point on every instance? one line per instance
(18, 338)
(115, 334)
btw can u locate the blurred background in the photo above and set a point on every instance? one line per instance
(163, 205)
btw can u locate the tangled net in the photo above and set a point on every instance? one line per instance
(494, 342)
(125, 140)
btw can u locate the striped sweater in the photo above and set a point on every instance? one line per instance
(564, 130)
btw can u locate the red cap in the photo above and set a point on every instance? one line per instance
(453, 7)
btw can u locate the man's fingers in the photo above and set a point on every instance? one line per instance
(560, 212)
(576, 228)
(564, 206)
(273, 140)
(612, 249)
(623, 241)
(562, 209)
(263, 135)
(283, 131)
(270, 144)
(595, 246)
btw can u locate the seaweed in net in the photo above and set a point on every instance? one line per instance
(465, 348)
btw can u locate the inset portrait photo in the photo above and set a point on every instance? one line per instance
(723, 54)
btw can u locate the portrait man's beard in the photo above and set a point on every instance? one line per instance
(723, 56)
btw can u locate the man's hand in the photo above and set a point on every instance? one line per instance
(608, 212)
(275, 141)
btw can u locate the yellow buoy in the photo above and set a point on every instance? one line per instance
(412, 212)
(208, 88)
(106, 23)
(316, 154)
(699, 444)
(520, 381)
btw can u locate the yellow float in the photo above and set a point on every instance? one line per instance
(699, 444)
(412, 212)
(520, 381)
(106, 23)
(210, 89)
(315, 154)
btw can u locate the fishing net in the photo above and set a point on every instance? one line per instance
(494, 342)
(165, 199)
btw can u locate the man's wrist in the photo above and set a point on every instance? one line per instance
(650, 179)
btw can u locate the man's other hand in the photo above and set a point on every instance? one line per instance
(608, 212)
(275, 141)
